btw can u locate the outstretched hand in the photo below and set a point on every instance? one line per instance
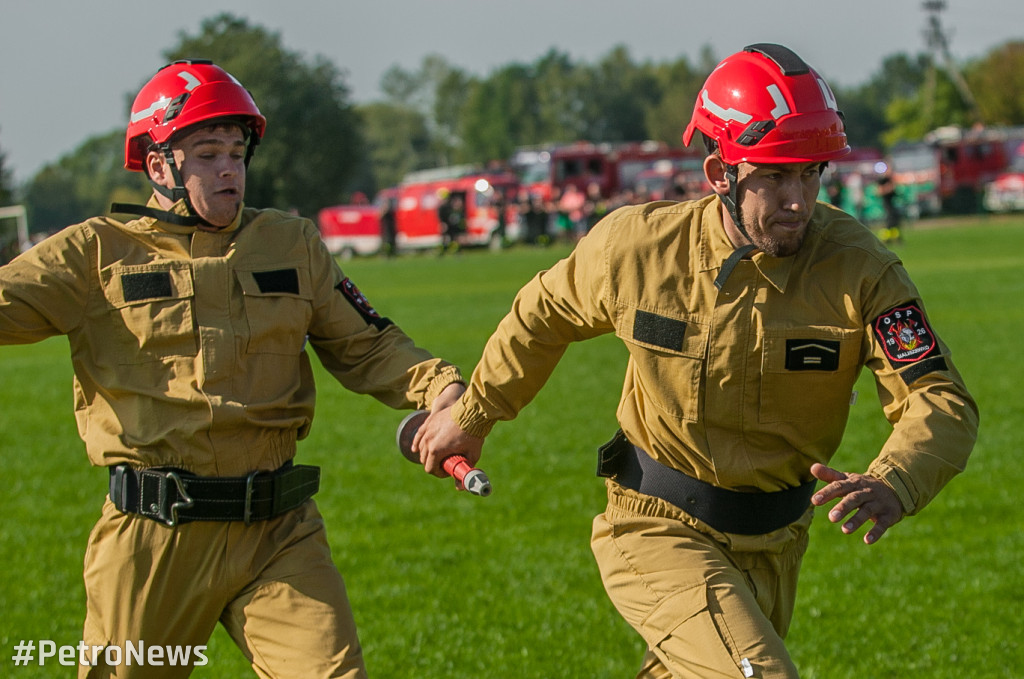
(866, 497)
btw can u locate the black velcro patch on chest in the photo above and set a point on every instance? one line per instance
(146, 285)
(808, 354)
(660, 331)
(277, 281)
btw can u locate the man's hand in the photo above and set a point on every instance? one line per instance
(439, 437)
(870, 498)
(448, 396)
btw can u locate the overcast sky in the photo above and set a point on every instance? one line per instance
(67, 66)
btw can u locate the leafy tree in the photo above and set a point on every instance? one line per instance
(899, 78)
(6, 181)
(83, 184)
(437, 92)
(8, 229)
(865, 120)
(319, 148)
(51, 201)
(313, 147)
(397, 140)
(451, 91)
(562, 94)
(501, 113)
(936, 105)
(620, 96)
(402, 88)
(680, 83)
(997, 82)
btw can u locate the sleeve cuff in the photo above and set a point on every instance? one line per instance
(899, 482)
(471, 418)
(446, 376)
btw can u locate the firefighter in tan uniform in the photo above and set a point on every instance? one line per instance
(748, 316)
(189, 331)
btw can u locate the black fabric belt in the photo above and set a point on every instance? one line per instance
(172, 496)
(728, 511)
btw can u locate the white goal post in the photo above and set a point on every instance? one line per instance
(17, 213)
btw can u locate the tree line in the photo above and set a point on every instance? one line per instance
(321, 148)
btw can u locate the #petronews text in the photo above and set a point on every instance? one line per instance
(139, 654)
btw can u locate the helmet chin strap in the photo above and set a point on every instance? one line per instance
(176, 193)
(731, 201)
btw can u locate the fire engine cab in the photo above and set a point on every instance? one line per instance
(487, 201)
(949, 170)
(1005, 193)
(612, 167)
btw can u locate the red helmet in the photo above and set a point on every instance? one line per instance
(182, 94)
(766, 105)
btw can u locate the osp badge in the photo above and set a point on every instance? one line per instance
(904, 335)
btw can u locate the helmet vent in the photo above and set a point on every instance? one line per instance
(175, 106)
(786, 59)
(755, 132)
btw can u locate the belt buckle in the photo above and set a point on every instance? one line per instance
(247, 511)
(186, 501)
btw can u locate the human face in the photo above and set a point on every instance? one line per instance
(775, 204)
(211, 161)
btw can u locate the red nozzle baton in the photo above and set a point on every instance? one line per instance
(466, 477)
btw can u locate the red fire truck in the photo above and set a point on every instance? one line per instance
(356, 229)
(1005, 193)
(612, 167)
(949, 169)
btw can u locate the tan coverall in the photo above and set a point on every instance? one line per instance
(720, 385)
(189, 351)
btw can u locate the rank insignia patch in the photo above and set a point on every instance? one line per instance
(904, 335)
(812, 355)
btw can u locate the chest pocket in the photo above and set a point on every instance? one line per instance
(668, 357)
(808, 373)
(278, 308)
(152, 314)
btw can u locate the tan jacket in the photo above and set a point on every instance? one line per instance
(747, 387)
(190, 348)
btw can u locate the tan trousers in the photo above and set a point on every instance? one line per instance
(705, 611)
(272, 585)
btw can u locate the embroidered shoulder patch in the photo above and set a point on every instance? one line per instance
(361, 304)
(904, 335)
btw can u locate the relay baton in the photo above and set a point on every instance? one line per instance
(466, 476)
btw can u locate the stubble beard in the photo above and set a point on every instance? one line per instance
(772, 245)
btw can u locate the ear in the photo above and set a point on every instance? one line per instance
(158, 169)
(714, 171)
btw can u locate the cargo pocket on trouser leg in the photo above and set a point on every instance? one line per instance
(708, 631)
(682, 593)
(684, 635)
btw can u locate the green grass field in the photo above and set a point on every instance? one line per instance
(445, 585)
